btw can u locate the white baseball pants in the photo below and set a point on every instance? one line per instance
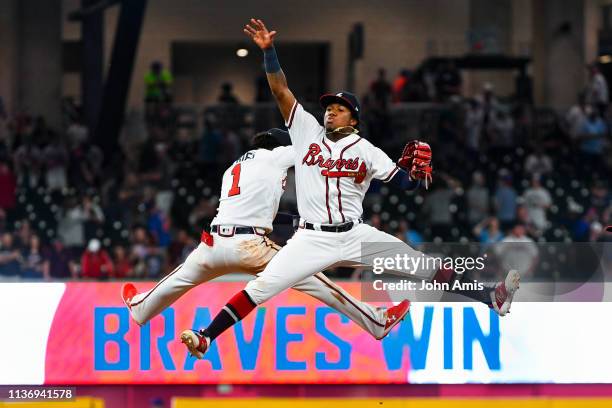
(250, 254)
(309, 252)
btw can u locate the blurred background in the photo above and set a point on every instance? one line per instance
(118, 118)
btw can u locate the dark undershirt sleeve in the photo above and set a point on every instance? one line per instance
(402, 179)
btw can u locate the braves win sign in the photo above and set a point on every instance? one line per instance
(88, 337)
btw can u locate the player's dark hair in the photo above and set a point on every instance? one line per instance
(265, 140)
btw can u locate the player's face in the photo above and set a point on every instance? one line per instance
(337, 115)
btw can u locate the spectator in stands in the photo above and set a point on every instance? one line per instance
(227, 95)
(596, 232)
(85, 169)
(71, 225)
(600, 199)
(400, 86)
(55, 160)
(592, 137)
(95, 262)
(416, 88)
(28, 162)
(487, 231)
(505, 200)
(537, 201)
(23, 234)
(477, 199)
(538, 162)
(8, 187)
(523, 124)
(576, 116)
(123, 264)
(428, 79)
(597, 90)
(10, 258)
(61, 265)
(448, 81)
(148, 161)
(518, 251)
(158, 82)
(77, 133)
(489, 104)
(500, 130)
(93, 217)
(35, 265)
(139, 244)
(146, 257)
(522, 217)
(158, 224)
(381, 91)
(474, 116)
(130, 196)
(210, 145)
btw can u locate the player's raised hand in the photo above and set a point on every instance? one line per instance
(260, 35)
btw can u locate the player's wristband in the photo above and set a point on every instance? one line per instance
(271, 63)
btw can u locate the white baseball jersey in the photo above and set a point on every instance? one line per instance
(332, 178)
(252, 188)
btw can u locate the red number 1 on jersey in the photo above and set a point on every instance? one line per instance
(235, 190)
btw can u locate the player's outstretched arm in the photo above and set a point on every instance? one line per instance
(264, 39)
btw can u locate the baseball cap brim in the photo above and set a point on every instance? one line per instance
(328, 99)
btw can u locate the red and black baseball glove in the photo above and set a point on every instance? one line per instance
(416, 160)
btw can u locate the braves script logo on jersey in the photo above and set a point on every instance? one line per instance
(315, 158)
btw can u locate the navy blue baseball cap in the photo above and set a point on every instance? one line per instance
(281, 135)
(343, 98)
(269, 139)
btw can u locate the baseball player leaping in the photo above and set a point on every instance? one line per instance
(250, 193)
(333, 167)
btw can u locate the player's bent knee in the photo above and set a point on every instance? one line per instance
(257, 292)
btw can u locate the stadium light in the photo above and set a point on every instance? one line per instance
(605, 59)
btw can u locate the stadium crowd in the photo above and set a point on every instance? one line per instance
(504, 170)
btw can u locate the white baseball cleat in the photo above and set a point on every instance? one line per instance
(501, 297)
(195, 342)
(394, 315)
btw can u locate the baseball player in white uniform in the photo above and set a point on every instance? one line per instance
(251, 190)
(333, 169)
